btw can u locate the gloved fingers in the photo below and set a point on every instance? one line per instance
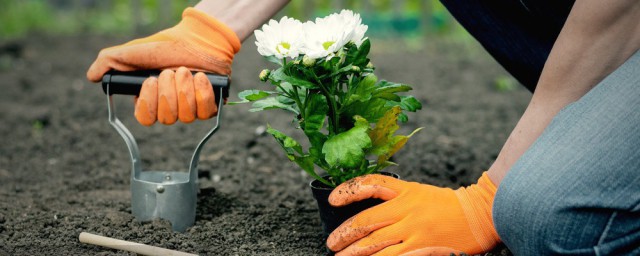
(121, 58)
(167, 98)
(363, 187)
(435, 251)
(371, 244)
(97, 69)
(205, 97)
(186, 95)
(146, 106)
(175, 95)
(362, 225)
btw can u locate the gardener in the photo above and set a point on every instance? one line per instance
(567, 180)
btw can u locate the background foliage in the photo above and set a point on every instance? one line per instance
(409, 19)
(395, 24)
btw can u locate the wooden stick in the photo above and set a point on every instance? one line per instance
(143, 249)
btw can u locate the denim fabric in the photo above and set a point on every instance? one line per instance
(576, 191)
(519, 34)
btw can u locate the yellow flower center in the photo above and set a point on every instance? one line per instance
(283, 46)
(327, 44)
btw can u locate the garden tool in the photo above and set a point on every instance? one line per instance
(169, 195)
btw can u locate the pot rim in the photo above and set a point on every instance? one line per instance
(321, 186)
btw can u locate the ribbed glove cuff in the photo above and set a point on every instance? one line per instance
(210, 33)
(477, 202)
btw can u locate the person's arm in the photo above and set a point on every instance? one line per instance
(242, 16)
(597, 37)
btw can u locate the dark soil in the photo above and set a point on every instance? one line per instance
(64, 170)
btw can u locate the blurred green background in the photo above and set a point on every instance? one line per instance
(400, 24)
(409, 19)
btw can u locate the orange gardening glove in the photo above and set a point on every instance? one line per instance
(416, 219)
(199, 42)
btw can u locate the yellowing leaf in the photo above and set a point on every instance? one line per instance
(384, 143)
(397, 143)
(385, 128)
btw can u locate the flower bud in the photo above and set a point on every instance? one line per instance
(343, 56)
(355, 68)
(341, 53)
(264, 75)
(369, 65)
(308, 61)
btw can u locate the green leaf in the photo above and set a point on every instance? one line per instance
(371, 110)
(388, 96)
(306, 163)
(314, 118)
(315, 112)
(294, 152)
(389, 87)
(346, 149)
(271, 103)
(340, 71)
(362, 91)
(408, 103)
(287, 89)
(290, 146)
(361, 55)
(317, 140)
(273, 59)
(279, 76)
(286, 100)
(250, 95)
(387, 90)
(403, 118)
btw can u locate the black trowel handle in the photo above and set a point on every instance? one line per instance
(129, 83)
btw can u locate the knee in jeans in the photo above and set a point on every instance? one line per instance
(525, 214)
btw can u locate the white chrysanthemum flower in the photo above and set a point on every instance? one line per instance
(358, 35)
(327, 35)
(323, 38)
(281, 39)
(353, 22)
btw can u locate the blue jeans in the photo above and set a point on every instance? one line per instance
(576, 191)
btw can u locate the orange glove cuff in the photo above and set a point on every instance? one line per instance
(210, 34)
(477, 202)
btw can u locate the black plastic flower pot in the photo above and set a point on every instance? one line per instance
(330, 216)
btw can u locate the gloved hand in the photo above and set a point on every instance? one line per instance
(416, 219)
(199, 42)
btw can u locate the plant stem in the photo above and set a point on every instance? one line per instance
(301, 106)
(333, 108)
(333, 112)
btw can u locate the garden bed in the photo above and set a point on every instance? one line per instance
(64, 170)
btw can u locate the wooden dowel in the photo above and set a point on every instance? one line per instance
(143, 249)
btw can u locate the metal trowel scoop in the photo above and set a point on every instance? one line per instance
(169, 195)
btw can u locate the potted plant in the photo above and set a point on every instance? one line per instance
(325, 79)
